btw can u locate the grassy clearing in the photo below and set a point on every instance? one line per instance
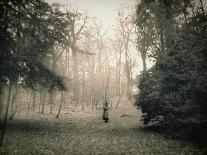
(83, 132)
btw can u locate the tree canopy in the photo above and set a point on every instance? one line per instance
(173, 92)
(28, 32)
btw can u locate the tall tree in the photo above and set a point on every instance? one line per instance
(170, 92)
(126, 30)
(77, 27)
(27, 35)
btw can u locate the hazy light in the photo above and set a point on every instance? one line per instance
(103, 10)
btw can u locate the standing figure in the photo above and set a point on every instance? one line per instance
(105, 112)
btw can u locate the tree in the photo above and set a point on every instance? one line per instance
(126, 28)
(77, 27)
(27, 36)
(171, 93)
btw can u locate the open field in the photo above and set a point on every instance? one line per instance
(83, 132)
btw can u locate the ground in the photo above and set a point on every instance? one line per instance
(83, 132)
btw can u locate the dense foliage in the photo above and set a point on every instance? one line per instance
(28, 32)
(173, 93)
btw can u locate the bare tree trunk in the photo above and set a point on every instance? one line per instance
(1, 101)
(75, 36)
(68, 62)
(12, 112)
(93, 91)
(28, 106)
(19, 103)
(83, 91)
(55, 59)
(119, 74)
(4, 125)
(50, 100)
(43, 106)
(111, 103)
(42, 101)
(34, 100)
(75, 75)
(118, 101)
(128, 76)
(61, 103)
(107, 86)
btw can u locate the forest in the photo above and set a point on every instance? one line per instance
(62, 72)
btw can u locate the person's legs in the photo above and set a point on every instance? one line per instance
(106, 120)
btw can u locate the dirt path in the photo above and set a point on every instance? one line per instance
(78, 132)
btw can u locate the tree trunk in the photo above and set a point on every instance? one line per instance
(1, 101)
(76, 86)
(33, 100)
(61, 103)
(92, 89)
(28, 106)
(118, 101)
(83, 91)
(118, 75)
(68, 63)
(42, 101)
(19, 103)
(50, 100)
(12, 112)
(55, 59)
(4, 125)
(128, 76)
(107, 86)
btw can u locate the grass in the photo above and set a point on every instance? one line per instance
(83, 132)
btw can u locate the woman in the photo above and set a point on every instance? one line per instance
(105, 112)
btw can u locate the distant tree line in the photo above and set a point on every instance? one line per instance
(173, 93)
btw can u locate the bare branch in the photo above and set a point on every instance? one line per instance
(81, 28)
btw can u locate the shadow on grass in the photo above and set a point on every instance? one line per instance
(37, 126)
(197, 136)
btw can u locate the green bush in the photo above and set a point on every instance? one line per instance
(173, 93)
